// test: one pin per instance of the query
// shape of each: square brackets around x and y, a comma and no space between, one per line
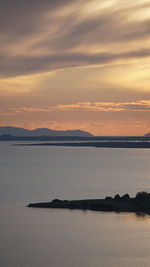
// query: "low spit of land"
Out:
[138,204]
[106,144]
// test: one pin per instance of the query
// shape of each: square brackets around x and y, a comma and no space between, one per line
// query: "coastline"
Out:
[138,204]
[106,144]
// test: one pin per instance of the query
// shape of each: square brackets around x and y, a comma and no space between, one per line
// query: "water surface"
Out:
[38,237]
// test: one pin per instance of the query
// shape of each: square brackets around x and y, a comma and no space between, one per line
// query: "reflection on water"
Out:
[63,238]
[38,237]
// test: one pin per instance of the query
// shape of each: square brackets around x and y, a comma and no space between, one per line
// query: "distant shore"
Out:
[106,144]
[138,204]
[47,138]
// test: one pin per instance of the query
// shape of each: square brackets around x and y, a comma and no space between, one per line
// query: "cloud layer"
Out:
[74,64]
[50,35]
[143,105]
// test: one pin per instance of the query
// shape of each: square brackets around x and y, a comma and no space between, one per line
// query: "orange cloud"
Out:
[142,105]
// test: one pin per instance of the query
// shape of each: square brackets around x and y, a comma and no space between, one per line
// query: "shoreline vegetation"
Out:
[104,144]
[138,204]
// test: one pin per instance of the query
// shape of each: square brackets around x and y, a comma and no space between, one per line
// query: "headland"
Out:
[138,204]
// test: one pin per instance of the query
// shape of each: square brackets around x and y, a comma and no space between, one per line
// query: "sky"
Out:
[81,64]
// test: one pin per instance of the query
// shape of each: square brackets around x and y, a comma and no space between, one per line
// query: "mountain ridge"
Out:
[18,131]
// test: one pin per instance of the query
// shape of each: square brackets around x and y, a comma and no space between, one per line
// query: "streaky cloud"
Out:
[142,105]
[59,34]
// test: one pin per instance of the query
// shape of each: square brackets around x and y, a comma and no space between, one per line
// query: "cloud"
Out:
[142,105]
[27,65]
[23,16]
[50,35]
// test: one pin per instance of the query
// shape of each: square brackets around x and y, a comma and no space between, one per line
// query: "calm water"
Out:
[37,237]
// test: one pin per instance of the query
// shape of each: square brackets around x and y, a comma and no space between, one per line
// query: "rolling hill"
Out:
[14,131]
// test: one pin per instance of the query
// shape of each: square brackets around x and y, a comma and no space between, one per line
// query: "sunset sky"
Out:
[81,64]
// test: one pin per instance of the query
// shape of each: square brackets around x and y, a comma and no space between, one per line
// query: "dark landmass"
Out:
[138,204]
[9,137]
[103,144]
[8,132]
[147,135]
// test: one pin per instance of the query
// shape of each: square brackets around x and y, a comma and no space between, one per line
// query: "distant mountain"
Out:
[8,130]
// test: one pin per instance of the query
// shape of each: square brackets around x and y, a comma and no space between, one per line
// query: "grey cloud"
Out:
[136,107]
[19,17]
[27,65]
[20,20]
[106,28]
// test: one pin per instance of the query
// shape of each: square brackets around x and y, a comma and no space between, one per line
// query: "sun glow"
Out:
[83,63]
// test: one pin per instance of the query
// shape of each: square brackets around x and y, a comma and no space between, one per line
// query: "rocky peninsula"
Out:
[138,204]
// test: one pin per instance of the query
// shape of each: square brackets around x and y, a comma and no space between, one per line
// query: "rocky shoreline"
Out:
[138,204]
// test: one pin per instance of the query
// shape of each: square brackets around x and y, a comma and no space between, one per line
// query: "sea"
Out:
[71,238]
